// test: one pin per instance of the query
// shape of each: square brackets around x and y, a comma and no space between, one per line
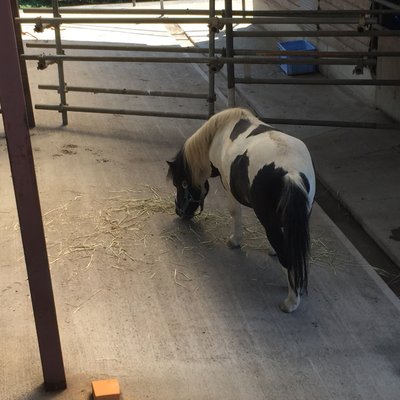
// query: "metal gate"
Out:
[365,21]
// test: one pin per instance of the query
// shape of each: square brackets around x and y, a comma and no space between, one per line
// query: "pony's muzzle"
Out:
[182,214]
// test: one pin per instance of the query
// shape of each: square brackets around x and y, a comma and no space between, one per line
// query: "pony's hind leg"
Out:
[292,300]
[235,239]
[275,236]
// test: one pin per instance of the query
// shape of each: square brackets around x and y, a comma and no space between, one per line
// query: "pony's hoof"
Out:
[288,307]
[233,244]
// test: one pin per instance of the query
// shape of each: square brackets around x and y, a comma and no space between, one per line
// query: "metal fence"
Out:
[365,22]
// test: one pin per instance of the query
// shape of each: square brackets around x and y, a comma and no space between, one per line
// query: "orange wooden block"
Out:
[107,389]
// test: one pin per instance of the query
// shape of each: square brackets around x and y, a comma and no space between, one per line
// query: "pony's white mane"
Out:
[196,148]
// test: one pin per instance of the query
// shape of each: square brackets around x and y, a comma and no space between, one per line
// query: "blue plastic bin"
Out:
[297,69]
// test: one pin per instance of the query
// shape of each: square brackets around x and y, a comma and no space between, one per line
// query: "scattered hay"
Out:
[77,308]
[186,278]
[111,231]
[322,254]
[121,223]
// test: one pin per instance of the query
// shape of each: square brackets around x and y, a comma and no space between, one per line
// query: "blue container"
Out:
[297,69]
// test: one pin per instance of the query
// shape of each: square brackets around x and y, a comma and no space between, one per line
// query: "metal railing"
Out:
[364,22]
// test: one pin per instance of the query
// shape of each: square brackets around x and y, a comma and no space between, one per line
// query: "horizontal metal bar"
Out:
[155,93]
[96,110]
[318,81]
[292,60]
[286,13]
[279,121]
[113,11]
[319,33]
[317,53]
[53,57]
[112,20]
[121,47]
[198,60]
[340,124]
[259,13]
[296,20]
[198,50]
[192,20]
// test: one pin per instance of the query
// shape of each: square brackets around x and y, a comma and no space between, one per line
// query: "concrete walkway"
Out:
[163,306]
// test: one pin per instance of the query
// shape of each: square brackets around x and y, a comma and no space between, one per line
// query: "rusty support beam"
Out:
[28,204]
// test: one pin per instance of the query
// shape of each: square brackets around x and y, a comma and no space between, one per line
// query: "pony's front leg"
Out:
[292,301]
[235,239]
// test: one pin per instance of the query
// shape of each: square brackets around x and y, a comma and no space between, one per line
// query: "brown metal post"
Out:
[24,72]
[28,205]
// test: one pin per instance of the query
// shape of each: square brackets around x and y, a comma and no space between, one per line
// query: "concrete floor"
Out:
[164,306]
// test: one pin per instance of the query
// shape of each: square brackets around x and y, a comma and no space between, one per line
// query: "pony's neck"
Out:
[196,153]
[197,147]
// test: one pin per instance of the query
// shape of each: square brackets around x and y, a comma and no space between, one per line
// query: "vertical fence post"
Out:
[162,7]
[28,205]
[211,55]
[229,53]
[24,72]
[60,63]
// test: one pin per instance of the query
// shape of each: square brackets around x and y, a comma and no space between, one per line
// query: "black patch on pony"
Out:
[260,129]
[241,126]
[239,179]
[177,169]
[282,208]
[267,185]
[214,171]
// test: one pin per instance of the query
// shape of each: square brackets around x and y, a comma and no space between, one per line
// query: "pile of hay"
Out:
[119,229]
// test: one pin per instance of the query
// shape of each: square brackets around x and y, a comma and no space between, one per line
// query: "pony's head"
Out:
[189,196]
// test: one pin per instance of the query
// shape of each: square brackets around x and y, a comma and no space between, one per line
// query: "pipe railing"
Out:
[319,81]
[249,13]
[199,50]
[363,21]
[318,33]
[130,92]
[99,110]
[279,121]
[193,20]
[202,60]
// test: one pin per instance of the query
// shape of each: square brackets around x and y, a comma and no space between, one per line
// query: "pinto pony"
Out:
[262,168]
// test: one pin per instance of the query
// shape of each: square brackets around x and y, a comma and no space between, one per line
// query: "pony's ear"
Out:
[170,166]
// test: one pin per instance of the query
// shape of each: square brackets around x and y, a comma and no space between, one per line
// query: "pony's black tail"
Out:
[294,211]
